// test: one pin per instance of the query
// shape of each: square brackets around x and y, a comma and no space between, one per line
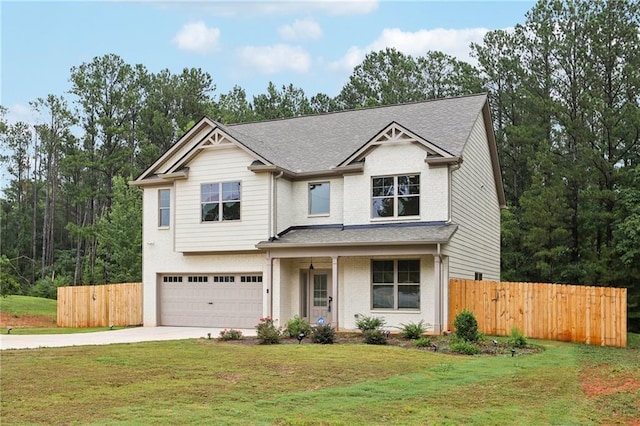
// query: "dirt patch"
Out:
[596,386]
[26,320]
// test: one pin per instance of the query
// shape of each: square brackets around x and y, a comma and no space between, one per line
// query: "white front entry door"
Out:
[320,297]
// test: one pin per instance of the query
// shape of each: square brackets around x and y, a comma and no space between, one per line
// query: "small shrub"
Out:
[464,347]
[466,326]
[423,342]
[365,323]
[323,334]
[267,332]
[297,325]
[517,339]
[375,337]
[47,287]
[230,334]
[412,330]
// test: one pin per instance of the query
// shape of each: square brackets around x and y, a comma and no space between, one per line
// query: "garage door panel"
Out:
[210,304]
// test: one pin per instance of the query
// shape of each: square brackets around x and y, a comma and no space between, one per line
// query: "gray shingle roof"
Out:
[321,142]
[387,234]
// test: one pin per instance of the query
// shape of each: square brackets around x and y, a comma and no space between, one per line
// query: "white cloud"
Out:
[276,7]
[19,112]
[300,30]
[454,42]
[196,37]
[342,7]
[272,59]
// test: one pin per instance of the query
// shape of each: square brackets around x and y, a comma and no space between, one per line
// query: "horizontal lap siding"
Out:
[475,247]
[221,165]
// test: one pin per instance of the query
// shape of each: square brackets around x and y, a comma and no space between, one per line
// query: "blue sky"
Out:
[312,44]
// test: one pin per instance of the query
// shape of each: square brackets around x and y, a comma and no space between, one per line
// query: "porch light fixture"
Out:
[311,265]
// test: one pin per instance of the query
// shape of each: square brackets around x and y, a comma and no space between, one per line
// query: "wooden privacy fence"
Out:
[591,315]
[100,305]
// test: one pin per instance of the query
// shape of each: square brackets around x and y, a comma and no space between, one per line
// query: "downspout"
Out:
[274,204]
[273,212]
[270,287]
[451,170]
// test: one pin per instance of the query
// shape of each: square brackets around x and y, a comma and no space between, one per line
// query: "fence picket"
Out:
[100,305]
[592,315]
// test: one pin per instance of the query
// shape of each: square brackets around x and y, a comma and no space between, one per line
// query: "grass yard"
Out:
[209,382]
[34,315]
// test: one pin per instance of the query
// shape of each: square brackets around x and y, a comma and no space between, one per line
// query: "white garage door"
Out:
[210,300]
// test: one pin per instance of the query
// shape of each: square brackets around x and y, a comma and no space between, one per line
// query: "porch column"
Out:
[267,296]
[437,295]
[334,280]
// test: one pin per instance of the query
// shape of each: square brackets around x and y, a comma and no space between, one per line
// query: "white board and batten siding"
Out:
[221,165]
[475,247]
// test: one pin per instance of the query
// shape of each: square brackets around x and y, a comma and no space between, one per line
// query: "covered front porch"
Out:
[331,276]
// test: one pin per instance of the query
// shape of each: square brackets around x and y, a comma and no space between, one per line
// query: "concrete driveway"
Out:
[126,335]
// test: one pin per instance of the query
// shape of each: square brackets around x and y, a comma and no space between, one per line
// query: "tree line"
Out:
[564,90]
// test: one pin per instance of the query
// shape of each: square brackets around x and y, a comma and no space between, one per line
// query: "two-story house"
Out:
[329,216]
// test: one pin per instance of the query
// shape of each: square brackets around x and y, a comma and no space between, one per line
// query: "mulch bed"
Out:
[440,344]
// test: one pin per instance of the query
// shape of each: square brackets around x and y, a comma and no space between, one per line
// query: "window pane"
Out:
[408,185]
[319,290]
[408,206]
[164,207]
[409,297]
[408,271]
[383,186]
[319,198]
[209,192]
[164,217]
[382,207]
[231,211]
[382,271]
[163,196]
[382,297]
[210,212]
[231,191]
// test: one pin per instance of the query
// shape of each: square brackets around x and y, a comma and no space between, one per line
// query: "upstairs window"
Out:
[164,208]
[319,198]
[395,196]
[220,201]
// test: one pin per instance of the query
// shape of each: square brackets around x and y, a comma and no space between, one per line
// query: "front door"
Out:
[320,296]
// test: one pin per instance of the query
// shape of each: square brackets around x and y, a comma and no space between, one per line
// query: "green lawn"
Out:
[209,382]
[20,305]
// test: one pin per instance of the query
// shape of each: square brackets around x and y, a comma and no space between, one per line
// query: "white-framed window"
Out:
[224,279]
[251,278]
[395,284]
[164,208]
[395,196]
[319,198]
[220,201]
[172,279]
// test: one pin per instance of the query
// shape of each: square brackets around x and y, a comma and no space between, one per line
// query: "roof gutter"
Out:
[335,171]
[436,161]
[162,178]
[452,168]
